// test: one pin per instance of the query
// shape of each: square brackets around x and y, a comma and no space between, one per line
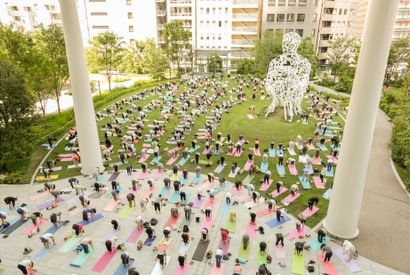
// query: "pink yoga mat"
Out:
[77,210]
[292,169]
[111,205]
[257,152]
[307,213]
[157,175]
[172,160]
[104,261]
[290,198]
[316,161]
[244,197]
[40,195]
[181,270]
[250,230]
[238,154]
[171,221]
[218,271]
[66,159]
[224,246]
[265,186]
[319,184]
[299,146]
[207,223]
[65,155]
[142,159]
[235,191]
[32,227]
[294,233]
[210,204]
[280,252]
[146,145]
[351,264]
[274,194]
[135,235]
[332,158]
[250,116]
[231,154]
[142,175]
[310,146]
[264,212]
[174,149]
[248,165]
[328,266]
[147,193]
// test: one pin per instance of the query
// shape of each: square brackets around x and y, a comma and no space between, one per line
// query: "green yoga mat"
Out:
[205,162]
[231,226]
[69,244]
[298,264]
[261,258]
[78,262]
[244,254]
[124,213]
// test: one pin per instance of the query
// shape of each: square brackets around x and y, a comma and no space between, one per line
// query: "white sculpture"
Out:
[288,77]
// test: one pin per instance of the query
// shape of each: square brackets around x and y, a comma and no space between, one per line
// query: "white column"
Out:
[344,208]
[80,82]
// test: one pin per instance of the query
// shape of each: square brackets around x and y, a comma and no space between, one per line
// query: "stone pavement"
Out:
[56,262]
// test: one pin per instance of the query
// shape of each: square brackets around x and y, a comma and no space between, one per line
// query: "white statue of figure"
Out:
[288,77]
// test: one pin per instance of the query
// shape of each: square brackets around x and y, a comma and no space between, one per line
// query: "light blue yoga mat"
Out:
[113,233]
[80,260]
[281,169]
[327,194]
[305,183]
[183,161]
[41,254]
[191,150]
[264,166]
[315,245]
[69,244]
[273,223]
[171,142]
[219,168]
[333,147]
[322,147]
[217,152]
[272,153]
[123,270]
[173,198]
[155,160]
[225,209]
[7,210]
[279,151]
[184,181]
[329,173]
[196,179]
[163,192]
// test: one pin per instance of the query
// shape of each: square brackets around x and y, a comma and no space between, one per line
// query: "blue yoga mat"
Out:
[329,135]
[111,234]
[329,173]
[173,198]
[315,245]
[322,147]
[54,229]
[217,152]
[7,210]
[171,142]
[183,161]
[163,192]
[272,153]
[48,145]
[148,241]
[100,178]
[155,160]
[40,254]
[273,223]
[122,270]
[191,150]
[281,169]
[264,166]
[305,183]
[327,194]
[219,168]
[93,219]
[11,223]
[184,181]
[333,147]
[279,151]
[225,209]
[196,179]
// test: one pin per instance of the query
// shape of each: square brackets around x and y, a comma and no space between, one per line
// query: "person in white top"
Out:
[228,196]
[25,266]
[45,238]
[140,222]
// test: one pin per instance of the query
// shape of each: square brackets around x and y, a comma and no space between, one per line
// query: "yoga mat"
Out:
[147,193]
[305,183]
[273,223]
[235,191]
[40,195]
[219,168]
[157,175]
[250,230]
[280,252]
[182,161]
[264,212]
[13,226]
[185,181]
[279,151]
[113,177]
[174,149]
[191,150]
[184,248]
[173,198]
[280,169]
[315,244]
[204,162]
[238,153]
[257,152]
[335,160]
[174,177]
[244,254]
[265,186]
[231,226]
[164,244]
[225,209]
[197,203]
[66,159]
[327,194]
[217,152]
[261,258]
[200,251]
[316,160]
[328,266]
[292,169]
[244,197]
[155,160]
[251,204]
[32,227]
[125,212]
[307,213]
[233,175]
[205,151]
[97,217]
[351,265]
[142,159]
[319,184]
[111,205]
[45,205]
[292,151]
[302,159]
[248,165]
[163,192]
[224,246]
[329,173]
[41,253]
[210,204]
[68,245]
[274,194]
[231,154]
[80,260]
[247,180]
[310,146]
[172,160]
[290,198]
[104,261]
[54,229]
[77,210]
[272,153]
[135,234]
[207,223]
[142,176]
[158,269]
[264,167]
[250,116]
[298,264]
[111,234]
[171,221]
[181,270]
[52,177]
[322,147]
[294,233]
[148,241]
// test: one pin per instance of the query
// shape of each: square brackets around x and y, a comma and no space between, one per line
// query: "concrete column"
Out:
[344,209]
[83,105]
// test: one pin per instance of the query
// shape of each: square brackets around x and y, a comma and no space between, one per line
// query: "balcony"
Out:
[244,30]
[160,27]
[161,41]
[160,1]
[180,2]
[245,3]
[240,54]
[252,17]
[242,43]
[324,43]
[181,14]
[161,12]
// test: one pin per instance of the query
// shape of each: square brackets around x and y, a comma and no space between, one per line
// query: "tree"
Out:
[268,47]
[245,66]
[155,60]
[52,45]
[176,42]
[307,50]
[342,54]
[16,115]
[214,63]
[399,53]
[105,53]
[134,57]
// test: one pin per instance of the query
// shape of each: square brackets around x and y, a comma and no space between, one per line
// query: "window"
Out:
[207,10]
[312,32]
[302,2]
[271,17]
[323,49]
[27,9]
[301,17]
[316,3]
[99,14]
[290,17]
[132,41]
[280,17]
[272,3]
[289,30]
[220,24]
[97,1]
[314,17]
[340,11]
[201,11]
[291,3]
[131,28]
[345,12]
[226,10]
[130,15]
[282,3]
[299,31]
[129,2]
[100,27]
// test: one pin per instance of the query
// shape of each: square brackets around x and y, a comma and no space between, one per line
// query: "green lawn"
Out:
[266,129]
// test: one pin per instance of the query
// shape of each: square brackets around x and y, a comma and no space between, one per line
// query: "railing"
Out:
[181,13]
[181,1]
[160,1]
[245,15]
[161,40]
[244,29]
[249,2]
[160,26]
[161,12]
[242,42]
[242,54]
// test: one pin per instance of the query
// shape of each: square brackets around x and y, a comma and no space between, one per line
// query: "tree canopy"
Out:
[307,50]
[267,47]
[176,39]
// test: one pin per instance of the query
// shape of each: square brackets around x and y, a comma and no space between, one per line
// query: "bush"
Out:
[326,81]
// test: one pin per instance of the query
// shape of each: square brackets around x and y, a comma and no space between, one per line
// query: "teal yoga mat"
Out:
[82,258]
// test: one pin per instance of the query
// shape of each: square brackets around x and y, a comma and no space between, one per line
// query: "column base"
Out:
[339,235]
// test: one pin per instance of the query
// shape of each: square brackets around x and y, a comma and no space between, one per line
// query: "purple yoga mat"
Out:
[93,219]
[45,205]
[224,246]
[198,203]
[113,177]
[351,264]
